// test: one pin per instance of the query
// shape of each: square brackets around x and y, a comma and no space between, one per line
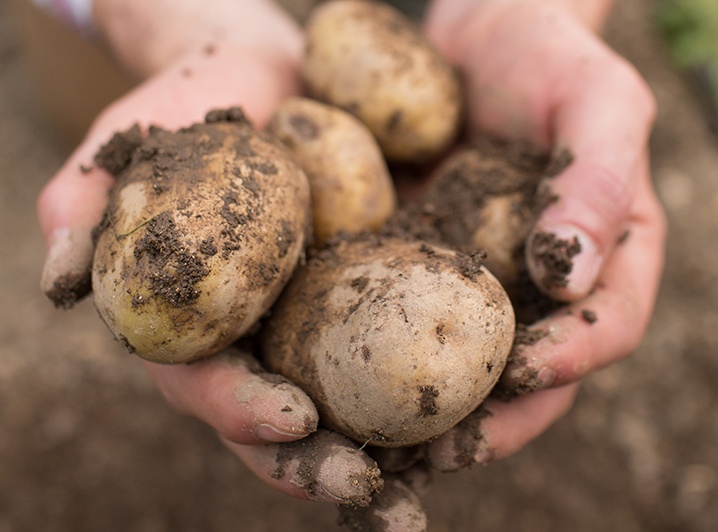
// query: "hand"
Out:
[534,72]
[258,418]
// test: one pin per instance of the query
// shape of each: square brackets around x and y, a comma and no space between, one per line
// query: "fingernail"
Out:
[564,262]
[66,275]
[545,378]
[520,379]
[347,477]
[483,457]
[271,434]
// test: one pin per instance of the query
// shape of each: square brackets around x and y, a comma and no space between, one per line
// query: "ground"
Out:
[86,442]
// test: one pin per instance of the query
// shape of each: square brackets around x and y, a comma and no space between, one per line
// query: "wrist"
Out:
[146,37]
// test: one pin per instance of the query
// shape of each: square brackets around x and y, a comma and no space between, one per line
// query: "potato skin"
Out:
[202,231]
[350,184]
[369,59]
[395,343]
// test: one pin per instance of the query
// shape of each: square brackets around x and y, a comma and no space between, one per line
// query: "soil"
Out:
[87,442]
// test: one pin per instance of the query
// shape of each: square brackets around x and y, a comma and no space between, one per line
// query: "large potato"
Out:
[350,185]
[369,59]
[203,229]
[394,341]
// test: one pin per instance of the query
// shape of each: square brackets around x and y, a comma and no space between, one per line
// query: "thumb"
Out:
[606,134]
[69,207]
[568,245]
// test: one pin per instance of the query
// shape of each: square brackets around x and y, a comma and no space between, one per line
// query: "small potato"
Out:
[369,59]
[350,185]
[203,230]
[485,196]
[394,341]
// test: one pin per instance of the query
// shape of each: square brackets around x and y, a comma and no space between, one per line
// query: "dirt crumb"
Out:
[556,255]
[233,114]
[427,401]
[589,316]
[117,154]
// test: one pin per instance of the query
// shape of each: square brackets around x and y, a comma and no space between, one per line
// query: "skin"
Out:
[559,95]
[546,78]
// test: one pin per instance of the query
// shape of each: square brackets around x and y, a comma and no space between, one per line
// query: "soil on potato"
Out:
[479,175]
[87,443]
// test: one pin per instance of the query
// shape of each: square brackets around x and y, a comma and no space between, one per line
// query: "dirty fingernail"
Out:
[564,262]
[462,446]
[66,276]
[521,379]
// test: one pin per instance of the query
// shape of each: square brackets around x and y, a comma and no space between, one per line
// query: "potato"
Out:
[395,341]
[350,185]
[203,230]
[369,59]
[488,195]
[485,196]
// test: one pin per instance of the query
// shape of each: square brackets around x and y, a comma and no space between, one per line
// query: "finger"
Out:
[396,509]
[499,429]
[72,203]
[234,395]
[324,466]
[69,207]
[609,323]
[603,121]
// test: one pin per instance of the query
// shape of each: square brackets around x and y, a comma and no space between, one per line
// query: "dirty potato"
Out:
[369,59]
[202,231]
[395,341]
[486,195]
[350,185]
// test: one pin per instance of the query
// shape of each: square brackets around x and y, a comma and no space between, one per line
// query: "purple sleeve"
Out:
[75,14]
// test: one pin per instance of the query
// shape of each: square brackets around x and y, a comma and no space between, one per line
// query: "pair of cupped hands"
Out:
[533,71]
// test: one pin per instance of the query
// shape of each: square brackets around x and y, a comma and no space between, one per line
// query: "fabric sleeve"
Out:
[75,14]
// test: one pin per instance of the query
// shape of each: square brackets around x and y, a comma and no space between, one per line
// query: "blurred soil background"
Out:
[87,443]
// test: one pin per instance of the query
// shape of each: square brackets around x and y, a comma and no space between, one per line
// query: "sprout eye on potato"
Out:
[369,59]
[394,341]
[203,229]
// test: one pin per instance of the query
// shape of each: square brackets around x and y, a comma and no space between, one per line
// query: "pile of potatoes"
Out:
[294,236]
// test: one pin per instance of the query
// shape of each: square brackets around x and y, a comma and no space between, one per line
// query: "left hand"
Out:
[534,72]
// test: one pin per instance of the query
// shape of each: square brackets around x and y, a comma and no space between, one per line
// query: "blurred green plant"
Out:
[691,28]
[691,31]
